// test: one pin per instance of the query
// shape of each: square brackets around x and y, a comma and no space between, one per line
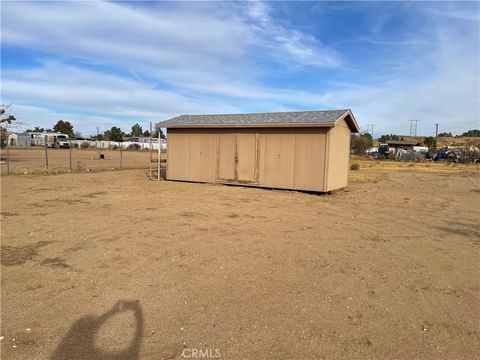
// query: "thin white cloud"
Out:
[455,13]
[71,87]
[289,45]
[104,32]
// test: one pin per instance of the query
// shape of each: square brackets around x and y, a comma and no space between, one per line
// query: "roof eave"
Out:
[354,128]
[288,125]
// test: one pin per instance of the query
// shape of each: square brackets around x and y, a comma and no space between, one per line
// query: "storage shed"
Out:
[307,150]
[19,139]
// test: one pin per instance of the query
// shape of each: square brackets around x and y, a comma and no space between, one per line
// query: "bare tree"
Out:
[7,120]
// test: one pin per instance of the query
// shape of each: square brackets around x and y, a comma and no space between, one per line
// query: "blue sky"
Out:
[116,63]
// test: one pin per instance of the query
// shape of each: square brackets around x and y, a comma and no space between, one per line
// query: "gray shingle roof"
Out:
[323,117]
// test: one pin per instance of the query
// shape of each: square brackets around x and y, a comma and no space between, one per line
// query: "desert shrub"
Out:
[84,145]
[355,166]
[133,147]
[75,146]
[114,147]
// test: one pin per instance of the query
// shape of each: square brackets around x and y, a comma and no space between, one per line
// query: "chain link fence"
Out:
[79,158]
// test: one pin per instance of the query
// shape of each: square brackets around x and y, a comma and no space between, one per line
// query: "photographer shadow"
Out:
[79,342]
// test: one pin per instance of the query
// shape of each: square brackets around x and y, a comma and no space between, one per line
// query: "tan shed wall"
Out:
[338,152]
[277,158]
[293,158]
[310,159]
[289,158]
[193,155]
[223,157]
[247,156]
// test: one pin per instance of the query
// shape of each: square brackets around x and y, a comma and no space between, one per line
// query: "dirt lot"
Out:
[111,265]
[32,160]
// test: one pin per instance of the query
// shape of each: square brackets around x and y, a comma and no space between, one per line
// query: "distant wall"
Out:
[124,145]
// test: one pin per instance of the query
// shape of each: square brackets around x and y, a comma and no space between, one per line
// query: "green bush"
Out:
[135,147]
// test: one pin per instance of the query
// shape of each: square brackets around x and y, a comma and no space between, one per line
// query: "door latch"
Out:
[236,157]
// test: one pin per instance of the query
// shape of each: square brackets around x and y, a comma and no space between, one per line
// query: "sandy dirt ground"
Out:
[32,160]
[112,265]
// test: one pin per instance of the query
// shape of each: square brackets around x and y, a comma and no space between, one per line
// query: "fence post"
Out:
[70,155]
[46,156]
[159,154]
[151,174]
[121,154]
[8,158]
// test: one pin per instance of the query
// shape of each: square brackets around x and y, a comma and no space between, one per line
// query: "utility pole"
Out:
[436,136]
[413,127]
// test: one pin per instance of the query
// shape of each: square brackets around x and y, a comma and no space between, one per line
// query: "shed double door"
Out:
[237,156]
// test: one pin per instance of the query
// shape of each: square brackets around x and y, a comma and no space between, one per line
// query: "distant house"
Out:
[19,139]
[402,144]
[305,150]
